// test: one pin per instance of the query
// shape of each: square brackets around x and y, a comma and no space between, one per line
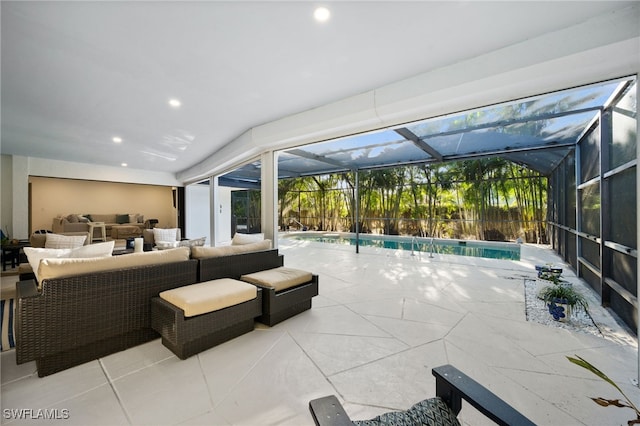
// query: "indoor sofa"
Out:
[116,225]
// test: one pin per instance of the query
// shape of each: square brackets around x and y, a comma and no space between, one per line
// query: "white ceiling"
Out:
[76,74]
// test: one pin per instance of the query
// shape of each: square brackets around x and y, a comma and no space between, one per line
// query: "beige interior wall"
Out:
[51,197]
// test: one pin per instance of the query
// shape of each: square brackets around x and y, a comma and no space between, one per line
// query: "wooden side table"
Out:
[101,227]
[11,253]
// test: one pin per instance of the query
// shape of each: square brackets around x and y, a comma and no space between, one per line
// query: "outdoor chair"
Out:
[452,386]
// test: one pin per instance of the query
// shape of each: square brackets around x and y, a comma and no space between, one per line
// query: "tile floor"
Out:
[382,320]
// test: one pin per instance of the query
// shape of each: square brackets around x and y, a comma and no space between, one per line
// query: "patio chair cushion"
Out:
[432,412]
[278,278]
[209,296]
[240,239]
[200,252]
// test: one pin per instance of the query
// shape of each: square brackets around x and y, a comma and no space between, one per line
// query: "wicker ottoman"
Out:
[288,292]
[197,317]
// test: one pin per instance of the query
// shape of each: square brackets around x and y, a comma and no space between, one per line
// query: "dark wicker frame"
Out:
[281,305]
[233,266]
[191,335]
[77,319]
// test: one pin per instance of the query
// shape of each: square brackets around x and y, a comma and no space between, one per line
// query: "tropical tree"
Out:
[488,198]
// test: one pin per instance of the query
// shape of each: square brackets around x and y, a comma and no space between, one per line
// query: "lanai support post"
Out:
[638,226]
[214,215]
[269,196]
[357,196]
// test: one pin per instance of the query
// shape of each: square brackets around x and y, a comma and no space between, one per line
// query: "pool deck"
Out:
[382,320]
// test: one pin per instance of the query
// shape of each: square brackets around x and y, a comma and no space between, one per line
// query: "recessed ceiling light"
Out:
[124,164]
[175,103]
[117,139]
[321,14]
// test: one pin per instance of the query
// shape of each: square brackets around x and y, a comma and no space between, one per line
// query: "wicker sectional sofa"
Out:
[68,320]
[84,309]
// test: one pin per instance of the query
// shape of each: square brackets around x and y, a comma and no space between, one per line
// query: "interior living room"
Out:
[158,111]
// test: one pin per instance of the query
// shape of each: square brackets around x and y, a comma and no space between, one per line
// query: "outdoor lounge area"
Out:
[382,321]
[422,126]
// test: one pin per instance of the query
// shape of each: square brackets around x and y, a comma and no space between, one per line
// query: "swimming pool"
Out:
[486,249]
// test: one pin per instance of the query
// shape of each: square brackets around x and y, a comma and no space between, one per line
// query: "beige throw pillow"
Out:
[57,241]
[35,255]
[240,239]
[93,250]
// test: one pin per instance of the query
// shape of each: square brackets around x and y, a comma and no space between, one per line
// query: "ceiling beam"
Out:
[239,183]
[477,155]
[509,122]
[320,158]
[409,135]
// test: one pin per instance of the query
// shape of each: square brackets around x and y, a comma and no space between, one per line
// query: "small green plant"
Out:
[4,238]
[549,273]
[565,294]
[608,402]
[549,276]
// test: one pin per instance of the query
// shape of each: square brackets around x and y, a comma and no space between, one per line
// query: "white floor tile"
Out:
[277,389]
[239,357]
[12,371]
[142,356]
[334,354]
[166,393]
[395,382]
[412,333]
[43,392]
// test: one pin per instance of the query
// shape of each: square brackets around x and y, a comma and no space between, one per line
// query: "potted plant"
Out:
[549,273]
[562,299]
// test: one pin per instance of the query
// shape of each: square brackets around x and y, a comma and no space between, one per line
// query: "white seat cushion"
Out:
[209,296]
[278,278]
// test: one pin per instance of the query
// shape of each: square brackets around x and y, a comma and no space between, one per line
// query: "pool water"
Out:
[486,249]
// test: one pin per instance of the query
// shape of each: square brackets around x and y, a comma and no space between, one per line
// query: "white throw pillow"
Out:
[57,241]
[165,234]
[34,255]
[93,250]
[241,239]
